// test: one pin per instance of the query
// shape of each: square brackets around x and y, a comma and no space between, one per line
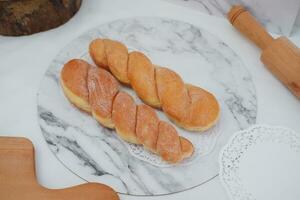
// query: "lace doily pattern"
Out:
[236,148]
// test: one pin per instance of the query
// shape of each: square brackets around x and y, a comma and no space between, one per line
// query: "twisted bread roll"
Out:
[189,106]
[96,91]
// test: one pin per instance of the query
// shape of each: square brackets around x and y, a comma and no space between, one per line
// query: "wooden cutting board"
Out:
[18,179]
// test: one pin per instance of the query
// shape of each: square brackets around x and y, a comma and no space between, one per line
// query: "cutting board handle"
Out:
[18,179]
[241,19]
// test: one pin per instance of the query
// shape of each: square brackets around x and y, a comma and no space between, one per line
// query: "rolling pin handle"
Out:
[241,19]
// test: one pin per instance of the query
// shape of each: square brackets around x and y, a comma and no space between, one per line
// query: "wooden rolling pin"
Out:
[280,55]
[18,180]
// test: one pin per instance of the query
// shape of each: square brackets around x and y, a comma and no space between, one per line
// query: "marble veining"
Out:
[97,154]
[268,12]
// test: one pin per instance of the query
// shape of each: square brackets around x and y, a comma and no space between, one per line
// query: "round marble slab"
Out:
[97,154]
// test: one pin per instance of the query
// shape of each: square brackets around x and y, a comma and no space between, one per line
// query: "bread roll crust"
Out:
[117,58]
[192,109]
[102,87]
[73,80]
[124,117]
[168,143]
[147,127]
[116,109]
[141,74]
[173,94]
[97,52]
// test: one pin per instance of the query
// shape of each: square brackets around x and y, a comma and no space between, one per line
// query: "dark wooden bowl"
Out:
[25,17]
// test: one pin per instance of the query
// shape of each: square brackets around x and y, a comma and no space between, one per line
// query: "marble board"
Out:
[96,154]
[276,16]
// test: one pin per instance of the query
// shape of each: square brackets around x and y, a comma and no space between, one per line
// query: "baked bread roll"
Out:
[104,87]
[74,86]
[96,91]
[191,107]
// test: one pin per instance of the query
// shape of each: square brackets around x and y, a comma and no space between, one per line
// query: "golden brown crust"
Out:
[172,94]
[204,110]
[113,109]
[117,57]
[186,147]
[73,79]
[97,52]
[160,87]
[124,117]
[168,143]
[147,127]
[102,87]
[141,74]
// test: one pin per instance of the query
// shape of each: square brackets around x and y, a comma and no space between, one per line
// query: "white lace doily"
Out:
[243,143]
